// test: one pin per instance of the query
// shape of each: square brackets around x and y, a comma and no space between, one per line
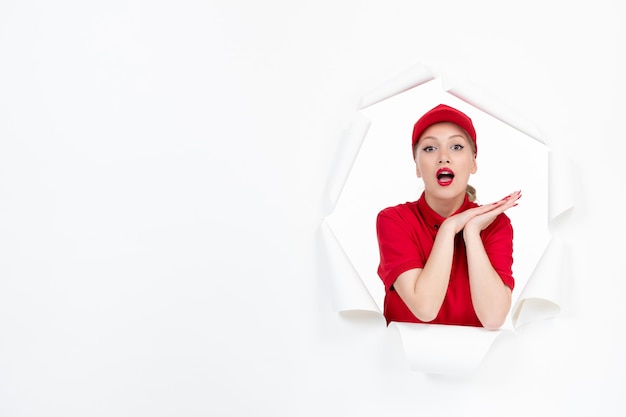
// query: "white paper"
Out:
[561,197]
[480,99]
[347,152]
[541,297]
[445,350]
[347,290]
[407,79]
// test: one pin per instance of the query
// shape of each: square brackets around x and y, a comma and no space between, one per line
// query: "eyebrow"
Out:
[449,137]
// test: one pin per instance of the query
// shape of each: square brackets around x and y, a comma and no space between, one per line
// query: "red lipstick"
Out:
[445,176]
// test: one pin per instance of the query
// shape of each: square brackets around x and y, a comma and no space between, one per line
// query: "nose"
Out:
[443,158]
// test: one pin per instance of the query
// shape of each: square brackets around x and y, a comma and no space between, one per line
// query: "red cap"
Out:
[444,113]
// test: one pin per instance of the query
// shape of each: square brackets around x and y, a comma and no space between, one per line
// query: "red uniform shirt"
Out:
[406,234]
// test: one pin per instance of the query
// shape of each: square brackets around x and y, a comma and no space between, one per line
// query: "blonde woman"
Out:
[443,258]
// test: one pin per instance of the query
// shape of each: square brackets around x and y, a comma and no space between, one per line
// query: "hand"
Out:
[479,218]
[482,221]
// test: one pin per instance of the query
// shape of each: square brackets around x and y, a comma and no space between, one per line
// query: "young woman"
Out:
[443,258]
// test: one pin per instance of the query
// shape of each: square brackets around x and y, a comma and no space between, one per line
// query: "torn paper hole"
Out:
[376,170]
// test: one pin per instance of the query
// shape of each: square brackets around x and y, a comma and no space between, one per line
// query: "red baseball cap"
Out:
[443,113]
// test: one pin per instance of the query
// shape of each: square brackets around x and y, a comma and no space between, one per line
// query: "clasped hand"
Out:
[479,218]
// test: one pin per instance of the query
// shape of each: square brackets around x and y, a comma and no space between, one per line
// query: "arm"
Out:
[423,289]
[490,296]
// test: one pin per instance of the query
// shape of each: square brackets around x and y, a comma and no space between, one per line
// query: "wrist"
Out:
[470,231]
[448,227]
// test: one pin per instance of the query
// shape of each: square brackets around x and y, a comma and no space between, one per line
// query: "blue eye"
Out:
[428,148]
[458,147]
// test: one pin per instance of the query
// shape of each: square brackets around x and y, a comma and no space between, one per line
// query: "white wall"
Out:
[162,172]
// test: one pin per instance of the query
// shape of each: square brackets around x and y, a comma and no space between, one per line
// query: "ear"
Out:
[474,166]
[417,170]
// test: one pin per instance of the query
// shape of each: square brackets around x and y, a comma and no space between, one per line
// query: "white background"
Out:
[162,172]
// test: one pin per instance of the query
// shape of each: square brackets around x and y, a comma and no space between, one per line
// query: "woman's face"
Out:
[445,160]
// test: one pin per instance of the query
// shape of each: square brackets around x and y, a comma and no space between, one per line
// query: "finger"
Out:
[514,196]
[505,204]
[512,202]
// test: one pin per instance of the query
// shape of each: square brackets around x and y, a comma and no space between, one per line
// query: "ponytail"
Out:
[471,193]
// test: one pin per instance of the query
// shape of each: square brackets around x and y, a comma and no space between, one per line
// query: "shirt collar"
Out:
[432,218]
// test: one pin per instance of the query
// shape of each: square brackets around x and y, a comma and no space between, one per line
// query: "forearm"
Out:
[432,283]
[490,297]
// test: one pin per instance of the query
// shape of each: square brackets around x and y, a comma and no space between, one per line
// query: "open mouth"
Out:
[445,176]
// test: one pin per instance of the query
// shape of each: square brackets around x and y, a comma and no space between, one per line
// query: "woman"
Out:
[444,259]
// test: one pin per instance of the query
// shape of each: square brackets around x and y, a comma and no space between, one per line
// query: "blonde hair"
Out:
[470,190]
[471,193]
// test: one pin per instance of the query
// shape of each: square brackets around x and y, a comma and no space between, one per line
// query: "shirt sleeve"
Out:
[398,246]
[498,243]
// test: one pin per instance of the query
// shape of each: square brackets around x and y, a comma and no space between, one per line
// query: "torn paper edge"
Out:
[348,290]
[541,296]
[479,98]
[444,349]
[411,77]
[347,152]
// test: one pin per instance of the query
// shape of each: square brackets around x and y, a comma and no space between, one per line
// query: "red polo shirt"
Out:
[406,234]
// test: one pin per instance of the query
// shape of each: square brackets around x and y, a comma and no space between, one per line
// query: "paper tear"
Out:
[348,149]
[443,349]
[541,297]
[561,195]
[406,80]
[534,309]
[348,290]
[478,98]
